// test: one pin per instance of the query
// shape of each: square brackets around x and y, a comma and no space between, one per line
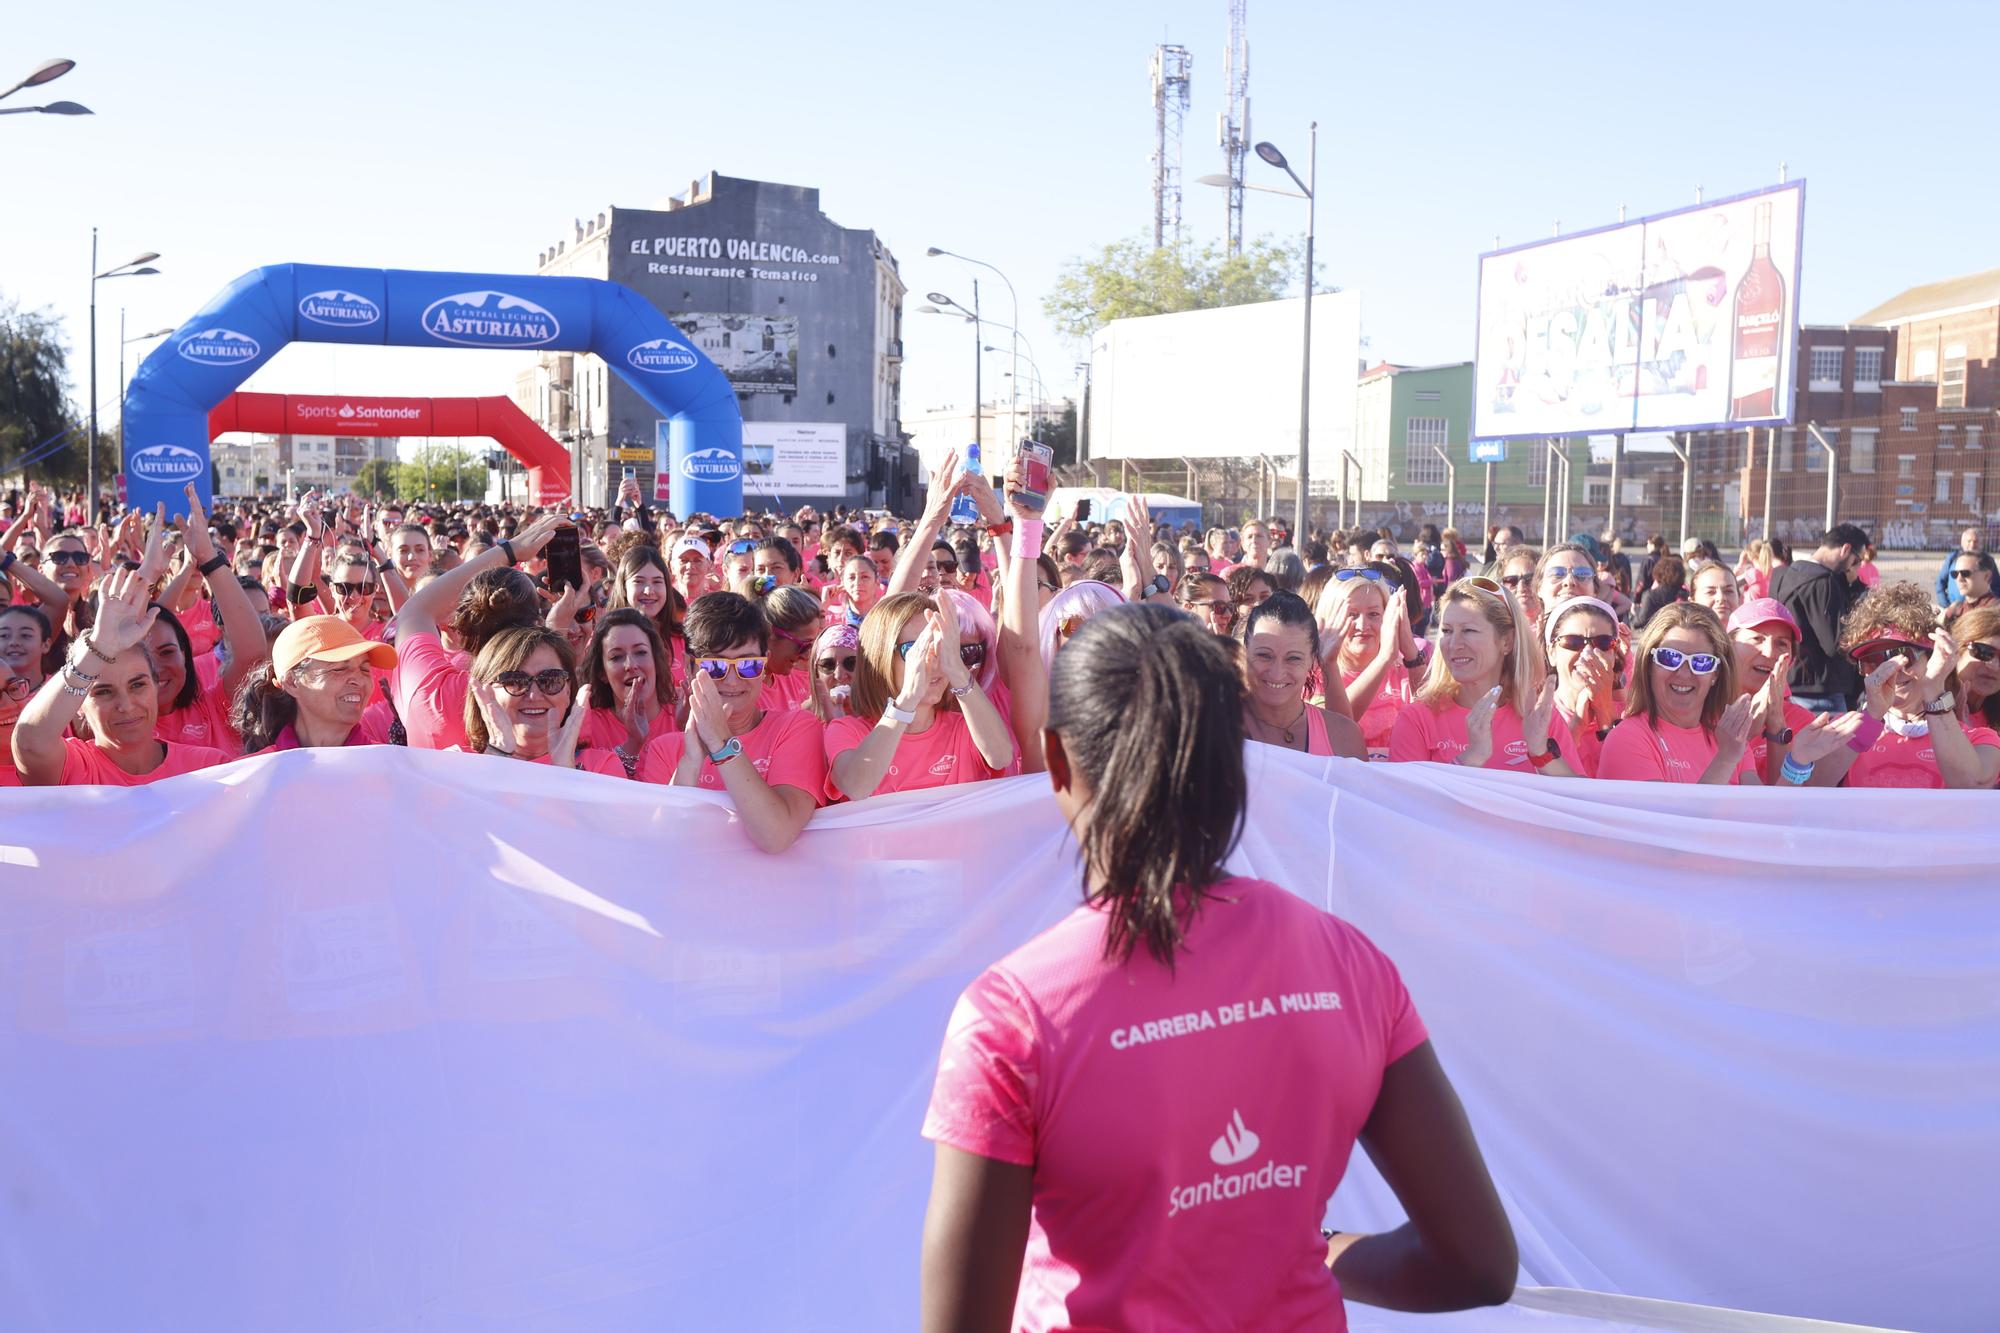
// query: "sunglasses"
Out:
[68,557]
[833,666]
[1219,610]
[947,566]
[1516,580]
[1670,659]
[1070,624]
[18,688]
[717,668]
[1982,652]
[743,547]
[792,638]
[1579,572]
[552,682]
[1966,573]
[1576,643]
[355,589]
[1349,575]
[1873,658]
[1484,584]
[1046,586]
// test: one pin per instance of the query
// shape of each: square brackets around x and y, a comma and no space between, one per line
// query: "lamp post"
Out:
[1269,152]
[131,268]
[1014,408]
[941,304]
[46,72]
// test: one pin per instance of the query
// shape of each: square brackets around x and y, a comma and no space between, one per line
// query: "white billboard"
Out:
[1225,383]
[787,458]
[1681,321]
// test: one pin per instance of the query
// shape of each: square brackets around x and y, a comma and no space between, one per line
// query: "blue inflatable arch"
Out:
[167,406]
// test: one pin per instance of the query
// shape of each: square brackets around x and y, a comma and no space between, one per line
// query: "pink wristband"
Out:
[1028,538]
[1864,740]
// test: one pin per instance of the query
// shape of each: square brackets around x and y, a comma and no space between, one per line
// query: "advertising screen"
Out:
[758,353]
[794,458]
[1684,320]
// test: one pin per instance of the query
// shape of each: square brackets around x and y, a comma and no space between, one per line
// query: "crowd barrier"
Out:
[371,1039]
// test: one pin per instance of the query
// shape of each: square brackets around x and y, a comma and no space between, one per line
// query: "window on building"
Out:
[1947,436]
[1909,419]
[1906,467]
[1951,387]
[1785,443]
[1827,363]
[1429,396]
[1943,488]
[1867,369]
[1538,463]
[1421,467]
[1972,434]
[1923,364]
[1861,453]
[1971,496]
[1816,456]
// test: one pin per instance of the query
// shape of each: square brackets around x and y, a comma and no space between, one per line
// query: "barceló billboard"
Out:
[1684,320]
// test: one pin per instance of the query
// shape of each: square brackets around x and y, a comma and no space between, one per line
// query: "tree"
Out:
[441,476]
[34,396]
[377,477]
[1058,432]
[1131,278]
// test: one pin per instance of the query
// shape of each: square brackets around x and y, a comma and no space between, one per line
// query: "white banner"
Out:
[343,1040]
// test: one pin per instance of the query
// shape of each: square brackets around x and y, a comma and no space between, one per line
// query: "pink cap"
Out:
[1763,611]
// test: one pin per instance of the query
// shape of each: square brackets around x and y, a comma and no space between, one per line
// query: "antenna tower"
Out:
[1171,67]
[1235,122]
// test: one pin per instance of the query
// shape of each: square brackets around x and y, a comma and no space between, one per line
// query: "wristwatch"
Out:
[891,713]
[730,749]
[1547,757]
[1944,703]
[1162,585]
[1782,736]
[301,595]
[1412,663]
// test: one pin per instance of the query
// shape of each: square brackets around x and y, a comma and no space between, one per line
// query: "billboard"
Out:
[1224,383]
[1685,320]
[794,458]
[758,353]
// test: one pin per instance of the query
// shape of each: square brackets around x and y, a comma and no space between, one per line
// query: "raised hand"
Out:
[1879,688]
[944,624]
[919,669]
[1732,729]
[562,745]
[707,714]
[1825,734]
[1937,671]
[1479,730]
[123,618]
[1535,726]
[194,528]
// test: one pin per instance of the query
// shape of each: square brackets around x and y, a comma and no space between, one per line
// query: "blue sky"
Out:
[468,136]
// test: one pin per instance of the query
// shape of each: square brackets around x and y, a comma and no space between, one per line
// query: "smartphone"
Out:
[1037,461]
[564,554]
[1083,511]
[631,473]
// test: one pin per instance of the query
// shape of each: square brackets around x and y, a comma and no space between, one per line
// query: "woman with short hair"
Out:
[1514,569]
[794,616]
[1043,1210]
[1485,701]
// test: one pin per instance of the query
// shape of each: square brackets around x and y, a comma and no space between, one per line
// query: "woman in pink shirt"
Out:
[643,584]
[315,689]
[1684,721]
[521,702]
[1280,646]
[921,718]
[770,762]
[1371,649]
[794,616]
[625,683]
[1486,701]
[835,655]
[1762,636]
[198,693]
[110,680]
[1292,1037]
[1587,649]
[15,691]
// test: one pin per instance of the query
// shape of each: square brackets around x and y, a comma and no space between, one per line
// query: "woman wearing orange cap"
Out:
[314,689]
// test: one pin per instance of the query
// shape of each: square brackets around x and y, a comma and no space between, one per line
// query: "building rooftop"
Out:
[1935,298]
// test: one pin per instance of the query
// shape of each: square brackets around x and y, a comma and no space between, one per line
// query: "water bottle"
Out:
[965,510]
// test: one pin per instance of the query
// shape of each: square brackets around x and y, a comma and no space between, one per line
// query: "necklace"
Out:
[1267,727]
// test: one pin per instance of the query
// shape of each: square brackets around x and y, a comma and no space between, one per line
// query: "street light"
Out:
[1014,409]
[135,267]
[942,304]
[1226,182]
[46,72]
[1269,152]
[123,343]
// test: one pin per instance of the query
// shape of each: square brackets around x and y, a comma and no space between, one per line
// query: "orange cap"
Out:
[326,639]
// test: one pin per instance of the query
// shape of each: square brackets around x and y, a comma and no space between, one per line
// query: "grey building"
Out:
[803,315]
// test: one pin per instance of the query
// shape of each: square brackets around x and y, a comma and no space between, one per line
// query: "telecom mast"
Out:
[1234,124]
[1171,66]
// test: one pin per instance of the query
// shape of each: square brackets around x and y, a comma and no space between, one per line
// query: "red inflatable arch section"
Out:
[496,418]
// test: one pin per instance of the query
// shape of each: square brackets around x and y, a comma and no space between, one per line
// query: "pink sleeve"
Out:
[1630,754]
[842,735]
[798,757]
[76,763]
[426,685]
[983,1100]
[661,756]
[1409,741]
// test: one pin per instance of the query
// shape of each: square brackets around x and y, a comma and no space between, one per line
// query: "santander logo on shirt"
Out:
[1237,1143]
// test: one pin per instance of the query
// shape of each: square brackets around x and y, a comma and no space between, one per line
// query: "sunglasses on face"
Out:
[1576,643]
[1873,659]
[1515,580]
[833,666]
[552,682]
[1670,659]
[1582,573]
[1965,573]
[947,566]
[1982,652]
[1046,586]
[717,668]
[1214,610]
[355,589]
[792,638]
[68,557]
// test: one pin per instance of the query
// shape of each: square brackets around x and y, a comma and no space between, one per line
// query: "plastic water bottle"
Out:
[964,510]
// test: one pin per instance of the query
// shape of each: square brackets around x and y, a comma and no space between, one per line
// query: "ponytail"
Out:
[261,709]
[1167,796]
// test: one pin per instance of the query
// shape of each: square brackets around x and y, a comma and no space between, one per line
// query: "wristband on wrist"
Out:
[1028,533]
[892,715]
[1794,772]
[507,549]
[213,563]
[1864,740]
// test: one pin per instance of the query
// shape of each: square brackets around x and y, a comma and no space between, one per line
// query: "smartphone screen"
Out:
[631,474]
[565,556]
[1036,460]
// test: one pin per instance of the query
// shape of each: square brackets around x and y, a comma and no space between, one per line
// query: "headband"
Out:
[836,636]
[1553,617]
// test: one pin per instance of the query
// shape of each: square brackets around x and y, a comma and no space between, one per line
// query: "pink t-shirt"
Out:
[589,761]
[1642,751]
[85,764]
[789,691]
[1797,718]
[603,730]
[1378,719]
[376,719]
[940,756]
[785,748]
[206,720]
[430,685]
[1438,735]
[1907,761]
[288,737]
[199,622]
[1258,1060]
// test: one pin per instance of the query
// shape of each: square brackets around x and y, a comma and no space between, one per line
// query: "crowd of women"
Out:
[798,661]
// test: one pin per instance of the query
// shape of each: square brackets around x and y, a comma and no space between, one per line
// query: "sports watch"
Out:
[730,749]
[1547,757]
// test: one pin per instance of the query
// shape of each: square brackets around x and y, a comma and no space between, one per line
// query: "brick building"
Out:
[1948,333]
